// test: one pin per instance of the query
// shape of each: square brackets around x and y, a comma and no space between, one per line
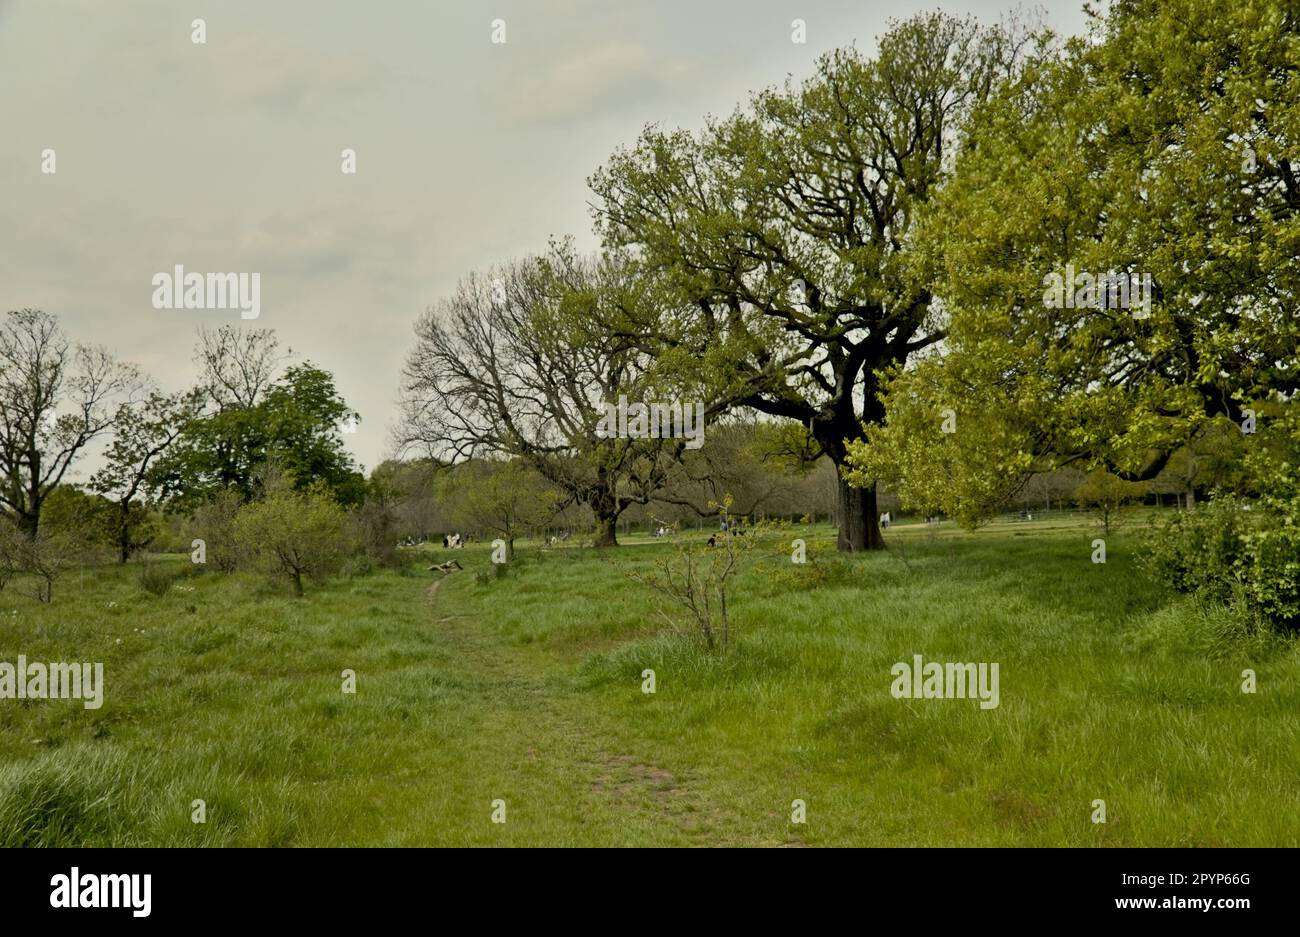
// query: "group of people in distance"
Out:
[735,529]
[453,541]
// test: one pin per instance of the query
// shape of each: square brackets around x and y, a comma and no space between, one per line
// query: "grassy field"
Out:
[527,689]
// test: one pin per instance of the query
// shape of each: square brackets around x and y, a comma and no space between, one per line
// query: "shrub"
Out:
[1272,561]
[699,579]
[1233,549]
[214,524]
[295,535]
[11,551]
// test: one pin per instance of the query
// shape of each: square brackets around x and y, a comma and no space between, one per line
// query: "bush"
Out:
[1108,498]
[44,558]
[1234,550]
[294,535]
[11,551]
[214,524]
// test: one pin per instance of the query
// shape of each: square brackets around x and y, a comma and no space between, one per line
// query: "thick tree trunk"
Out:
[604,503]
[858,517]
[606,531]
[28,522]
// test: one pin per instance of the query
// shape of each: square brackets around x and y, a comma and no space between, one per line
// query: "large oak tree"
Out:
[1164,145]
[785,233]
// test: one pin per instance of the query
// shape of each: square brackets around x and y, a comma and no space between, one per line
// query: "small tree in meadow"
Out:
[294,534]
[506,498]
[698,577]
[1108,498]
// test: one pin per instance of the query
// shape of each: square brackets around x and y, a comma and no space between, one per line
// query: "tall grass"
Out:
[528,688]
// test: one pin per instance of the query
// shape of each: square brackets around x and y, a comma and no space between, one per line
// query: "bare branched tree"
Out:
[238,365]
[55,398]
[519,363]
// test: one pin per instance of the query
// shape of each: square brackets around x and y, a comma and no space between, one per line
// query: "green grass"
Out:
[527,689]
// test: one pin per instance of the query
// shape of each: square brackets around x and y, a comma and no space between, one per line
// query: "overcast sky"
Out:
[226,156]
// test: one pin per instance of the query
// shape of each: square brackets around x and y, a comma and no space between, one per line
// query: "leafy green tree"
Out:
[505,497]
[80,517]
[1162,147]
[143,431]
[1108,497]
[214,524]
[294,421]
[784,234]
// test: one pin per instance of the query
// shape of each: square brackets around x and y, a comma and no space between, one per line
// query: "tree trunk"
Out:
[858,518]
[604,504]
[606,531]
[124,535]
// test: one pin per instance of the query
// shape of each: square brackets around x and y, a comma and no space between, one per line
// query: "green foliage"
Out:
[1165,148]
[698,578]
[374,524]
[295,424]
[1108,497]
[79,517]
[12,546]
[784,234]
[294,535]
[1234,551]
[505,498]
[214,524]
[823,566]
[1203,550]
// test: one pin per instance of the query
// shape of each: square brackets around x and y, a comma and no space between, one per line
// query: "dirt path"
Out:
[564,734]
